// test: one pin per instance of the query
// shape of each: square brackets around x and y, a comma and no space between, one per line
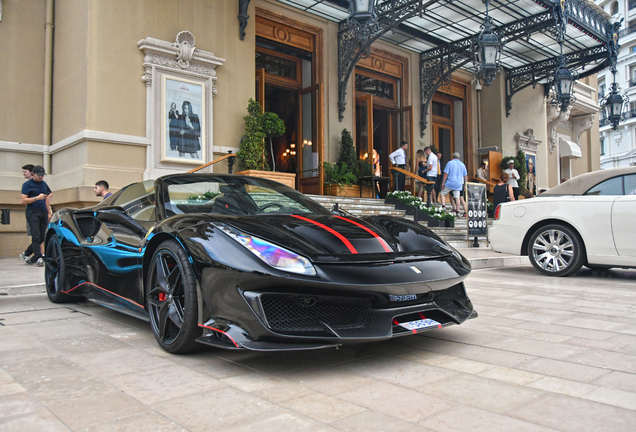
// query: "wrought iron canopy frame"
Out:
[355,38]
[437,65]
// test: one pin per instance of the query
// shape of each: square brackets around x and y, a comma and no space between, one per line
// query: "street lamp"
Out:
[362,10]
[615,106]
[488,51]
[563,79]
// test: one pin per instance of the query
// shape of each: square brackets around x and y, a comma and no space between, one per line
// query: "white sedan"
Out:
[589,220]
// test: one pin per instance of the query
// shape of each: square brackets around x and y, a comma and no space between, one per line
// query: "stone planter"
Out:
[449,224]
[348,191]
[435,223]
[288,179]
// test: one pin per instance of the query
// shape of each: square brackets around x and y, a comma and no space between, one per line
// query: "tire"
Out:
[171,298]
[556,250]
[598,267]
[55,273]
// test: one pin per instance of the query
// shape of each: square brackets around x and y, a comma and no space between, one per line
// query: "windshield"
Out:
[231,195]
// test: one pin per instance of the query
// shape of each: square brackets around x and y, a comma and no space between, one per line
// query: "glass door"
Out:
[310,179]
[401,125]
[260,87]
[364,127]
[443,140]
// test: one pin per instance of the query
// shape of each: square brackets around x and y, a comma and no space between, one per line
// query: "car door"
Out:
[623,217]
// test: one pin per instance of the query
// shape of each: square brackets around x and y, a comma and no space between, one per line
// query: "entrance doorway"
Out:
[380,125]
[288,71]
[443,126]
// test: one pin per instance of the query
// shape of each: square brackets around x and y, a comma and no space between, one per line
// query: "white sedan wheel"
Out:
[556,250]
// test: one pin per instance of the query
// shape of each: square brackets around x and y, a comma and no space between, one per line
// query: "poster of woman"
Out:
[183,127]
[531,177]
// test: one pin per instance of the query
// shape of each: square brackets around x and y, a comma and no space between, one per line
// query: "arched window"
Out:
[614,8]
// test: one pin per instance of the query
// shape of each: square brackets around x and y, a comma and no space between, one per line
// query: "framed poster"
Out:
[183,118]
[531,176]
[477,209]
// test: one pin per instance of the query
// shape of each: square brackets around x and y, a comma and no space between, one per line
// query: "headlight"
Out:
[275,256]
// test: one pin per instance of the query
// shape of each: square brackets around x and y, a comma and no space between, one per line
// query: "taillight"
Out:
[497,211]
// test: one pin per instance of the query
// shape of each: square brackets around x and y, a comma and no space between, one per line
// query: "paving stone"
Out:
[480,392]
[214,409]
[563,369]
[322,407]
[570,414]
[403,404]
[559,385]
[614,397]
[618,380]
[478,420]
[367,421]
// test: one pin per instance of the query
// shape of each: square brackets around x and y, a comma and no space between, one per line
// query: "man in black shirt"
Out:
[36,195]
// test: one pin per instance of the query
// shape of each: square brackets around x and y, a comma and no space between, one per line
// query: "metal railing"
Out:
[627,30]
[231,158]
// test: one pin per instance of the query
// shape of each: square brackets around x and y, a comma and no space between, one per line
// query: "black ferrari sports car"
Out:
[246,263]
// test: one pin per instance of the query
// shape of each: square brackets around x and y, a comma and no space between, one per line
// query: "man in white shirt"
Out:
[513,176]
[398,158]
[482,172]
[431,175]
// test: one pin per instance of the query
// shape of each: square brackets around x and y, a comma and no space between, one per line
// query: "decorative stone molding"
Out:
[172,62]
[181,55]
[527,142]
[581,124]
[555,116]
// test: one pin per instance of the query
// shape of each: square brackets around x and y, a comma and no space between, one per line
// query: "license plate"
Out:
[420,324]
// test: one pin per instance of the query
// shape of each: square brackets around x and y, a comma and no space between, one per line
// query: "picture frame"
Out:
[183,120]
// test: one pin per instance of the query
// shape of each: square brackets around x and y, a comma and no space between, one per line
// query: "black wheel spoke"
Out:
[161,272]
[162,323]
[174,315]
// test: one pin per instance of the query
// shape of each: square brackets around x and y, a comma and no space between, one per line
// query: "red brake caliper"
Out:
[162,296]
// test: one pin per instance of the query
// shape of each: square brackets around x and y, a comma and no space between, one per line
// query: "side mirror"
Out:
[117,215]
[336,211]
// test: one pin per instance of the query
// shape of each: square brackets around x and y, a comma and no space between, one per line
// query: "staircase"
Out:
[456,237]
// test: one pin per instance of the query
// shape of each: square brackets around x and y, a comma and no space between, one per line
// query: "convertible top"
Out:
[582,183]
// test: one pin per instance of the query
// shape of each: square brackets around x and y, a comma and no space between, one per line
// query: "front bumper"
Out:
[272,314]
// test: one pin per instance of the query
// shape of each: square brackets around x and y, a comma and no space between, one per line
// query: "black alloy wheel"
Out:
[55,272]
[556,250]
[172,299]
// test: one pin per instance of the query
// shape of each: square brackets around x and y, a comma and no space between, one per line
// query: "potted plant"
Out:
[339,179]
[259,126]
[449,220]
[273,127]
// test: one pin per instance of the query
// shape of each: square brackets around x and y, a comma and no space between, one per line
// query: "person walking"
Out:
[36,195]
[502,192]
[431,175]
[27,174]
[513,176]
[398,158]
[101,189]
[420,170]
[438,179]
[455,175]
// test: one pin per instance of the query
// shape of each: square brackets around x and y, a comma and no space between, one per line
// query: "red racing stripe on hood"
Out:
[380,239]
[337,234]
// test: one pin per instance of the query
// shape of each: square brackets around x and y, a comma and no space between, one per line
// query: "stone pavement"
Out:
[545,354]
[17,278]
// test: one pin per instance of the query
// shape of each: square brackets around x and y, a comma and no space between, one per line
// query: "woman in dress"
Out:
[190,132]
[502,192]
